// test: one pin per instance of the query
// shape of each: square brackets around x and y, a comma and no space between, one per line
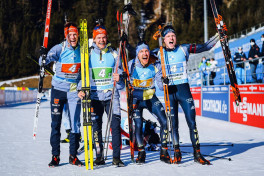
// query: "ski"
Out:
[222,29]
[86,101]
[42,69]
[129,88]
[157,36]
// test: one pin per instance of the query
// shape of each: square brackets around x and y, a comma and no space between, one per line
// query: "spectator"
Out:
[262,55]
[253,53]
[239,59]
[213,65]
[204,68]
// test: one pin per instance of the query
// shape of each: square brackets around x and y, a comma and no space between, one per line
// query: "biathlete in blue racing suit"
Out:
[175,58]
[65,85]
[102,65]
[144,73]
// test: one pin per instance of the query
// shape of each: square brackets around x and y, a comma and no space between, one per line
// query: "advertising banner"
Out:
[2,97]
[251,110]
[196,93]
[215,102]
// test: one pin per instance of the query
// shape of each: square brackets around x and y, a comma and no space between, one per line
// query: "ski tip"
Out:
[117,16]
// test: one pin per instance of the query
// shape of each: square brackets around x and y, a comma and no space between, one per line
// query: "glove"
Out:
[43,51]
[123,37]
[124,75]
[165,80]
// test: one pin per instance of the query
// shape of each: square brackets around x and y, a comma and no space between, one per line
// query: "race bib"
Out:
[101,78]
[71,70]
[142,83]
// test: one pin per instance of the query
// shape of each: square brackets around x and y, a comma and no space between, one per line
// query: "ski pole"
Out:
[212,156]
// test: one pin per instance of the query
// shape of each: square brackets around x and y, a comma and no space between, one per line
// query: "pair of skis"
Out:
[86,101]
[122,53]
[157,36]
[129,89]
[222,29]
[42,69]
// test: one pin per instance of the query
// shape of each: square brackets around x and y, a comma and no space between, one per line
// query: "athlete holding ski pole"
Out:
[103,59]
[65,85]
[175,59]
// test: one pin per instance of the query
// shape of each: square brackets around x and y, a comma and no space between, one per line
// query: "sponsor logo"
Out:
[224,88]
[197,103]
[261,88]
[189,100]
[242,88]
[252,88]
[217,89]
[217,106]
[157,103]
[210,89]
[55,112]
[56,101]
[248,108]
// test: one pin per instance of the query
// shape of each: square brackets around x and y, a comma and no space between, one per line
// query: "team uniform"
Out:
[179,89]
[143,81]
[65,85]
[102,64]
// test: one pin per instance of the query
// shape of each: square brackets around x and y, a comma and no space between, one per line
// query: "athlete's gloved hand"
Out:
[123,37]
[165,80]
[43,51]
[124,75]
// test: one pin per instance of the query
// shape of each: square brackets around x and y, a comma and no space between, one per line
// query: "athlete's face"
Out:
[101,41]
[73,39]
[143,56]
[170,40]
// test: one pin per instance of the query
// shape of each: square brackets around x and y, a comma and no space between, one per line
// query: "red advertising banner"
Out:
[196,93]
[251,109]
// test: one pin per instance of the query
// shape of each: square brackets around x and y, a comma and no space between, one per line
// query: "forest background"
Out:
[22,24]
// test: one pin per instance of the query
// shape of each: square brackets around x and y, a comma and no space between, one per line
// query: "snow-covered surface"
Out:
[20,155]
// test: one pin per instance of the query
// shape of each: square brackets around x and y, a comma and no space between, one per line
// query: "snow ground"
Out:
[20,155]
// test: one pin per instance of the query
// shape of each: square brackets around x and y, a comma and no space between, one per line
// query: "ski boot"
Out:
[117,162]
[177,154]
[67,139]
[75,161]
[141,157]
[198,157]
[54,161]
[99,161]
[164,156]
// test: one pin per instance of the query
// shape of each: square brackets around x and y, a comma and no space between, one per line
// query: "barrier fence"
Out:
[15,95]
